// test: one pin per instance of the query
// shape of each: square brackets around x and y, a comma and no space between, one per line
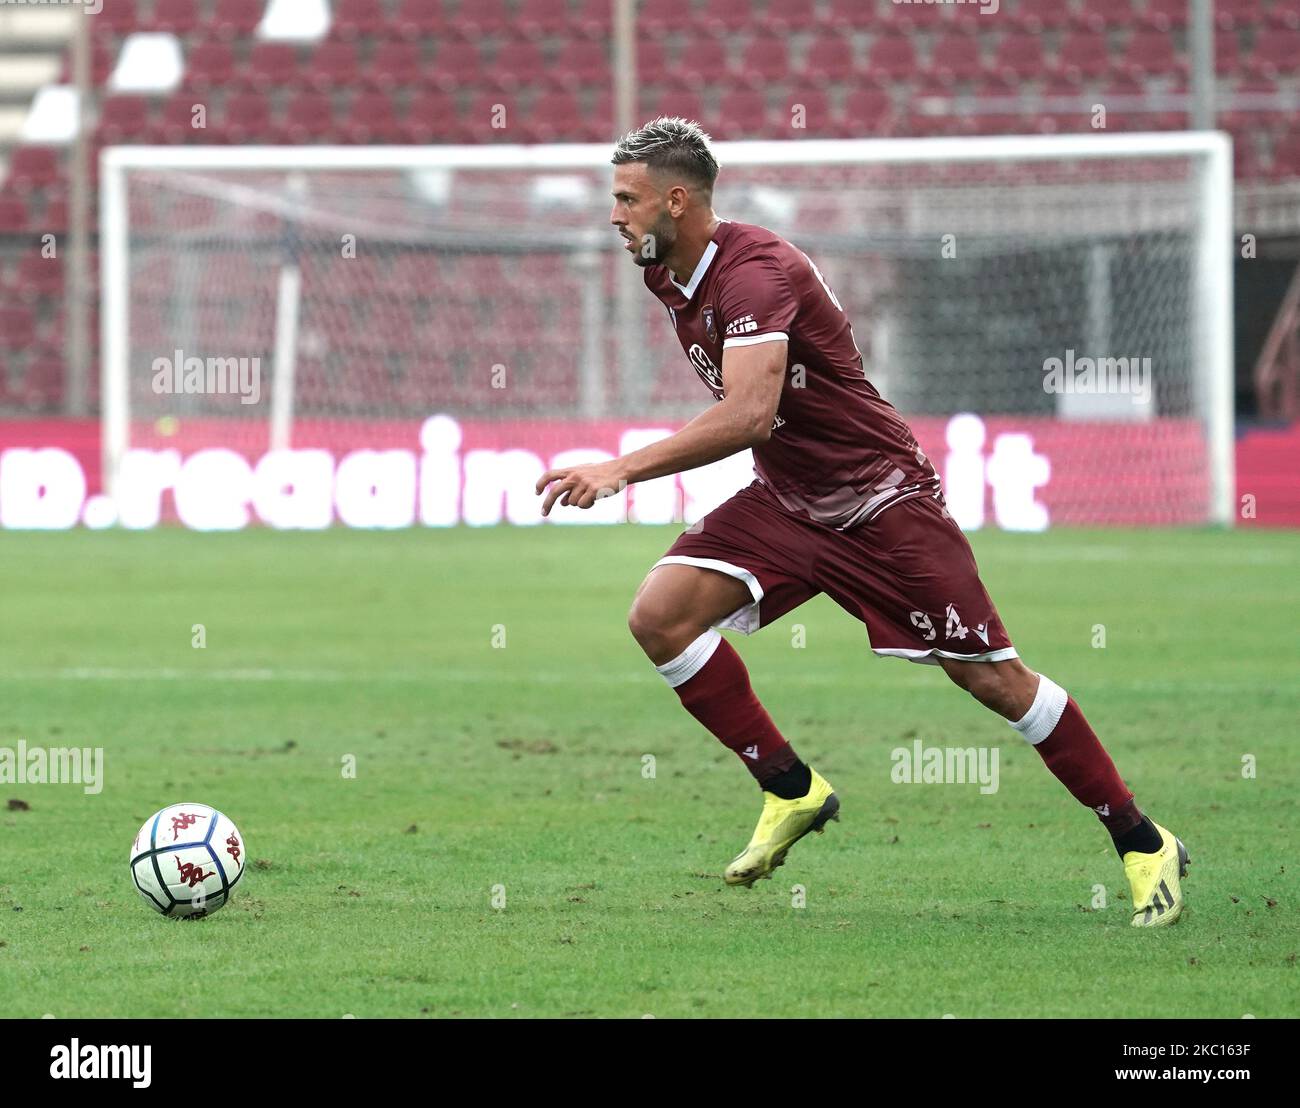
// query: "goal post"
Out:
[1072,293]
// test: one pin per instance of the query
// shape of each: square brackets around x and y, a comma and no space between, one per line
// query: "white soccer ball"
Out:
[187,859]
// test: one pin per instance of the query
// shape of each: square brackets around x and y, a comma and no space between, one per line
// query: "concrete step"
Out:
[11,123]
[39,23]
[25,73]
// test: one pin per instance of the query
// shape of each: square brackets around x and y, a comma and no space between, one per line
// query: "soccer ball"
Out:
[187,859]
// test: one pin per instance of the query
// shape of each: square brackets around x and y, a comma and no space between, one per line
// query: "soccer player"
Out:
[843,502]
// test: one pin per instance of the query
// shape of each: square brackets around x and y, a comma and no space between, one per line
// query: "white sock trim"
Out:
[691,660]
[1044,713]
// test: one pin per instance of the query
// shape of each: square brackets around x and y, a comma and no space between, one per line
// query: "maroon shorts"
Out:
[908,574]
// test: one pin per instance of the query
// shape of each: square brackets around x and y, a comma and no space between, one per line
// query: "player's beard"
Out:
[656,242]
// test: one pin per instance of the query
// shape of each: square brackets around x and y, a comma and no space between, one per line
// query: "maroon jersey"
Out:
[839,453]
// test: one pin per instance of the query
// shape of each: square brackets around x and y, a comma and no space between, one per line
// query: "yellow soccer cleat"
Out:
[782,824]
[1157,896]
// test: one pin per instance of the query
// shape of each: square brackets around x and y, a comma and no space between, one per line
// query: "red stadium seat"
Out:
[117,19]
[38,277]
[1020,55]
[354,18]
[664,17]
[333,65]
[1151,53]
[209,64]
[124,119]
[1285,162]
[372,117]
[790,17]
[1035,15]
[13,213]
[518,64]
[1227,53]
[703,61]
[849,14]
[55,217]
[237,18]
[866,112]
[765,60]
[536,18]
[180,17]
[913,17]
[1276,51]
[1098,14]
[33,167]
[592,18]
[457,66]
[395,64]
[956,57]
[582,63]
[721,17]
[431,117]
[474,21]
[309,117]
[272,65]
[1238,13]
[17,326]
[743,114]
[556,116]
[422,19]
[891,56]
[598,119]
[1084,53]
[1166,15]
[829,60]
[247,118]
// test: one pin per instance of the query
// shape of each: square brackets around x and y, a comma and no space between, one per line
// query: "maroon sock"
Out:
[713,685]
[1071,750]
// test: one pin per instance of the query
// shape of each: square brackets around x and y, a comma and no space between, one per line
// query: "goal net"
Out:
[392,336]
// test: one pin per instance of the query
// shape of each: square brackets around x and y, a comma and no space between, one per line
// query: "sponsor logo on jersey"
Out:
[710,374]
[742,326]
[710,322]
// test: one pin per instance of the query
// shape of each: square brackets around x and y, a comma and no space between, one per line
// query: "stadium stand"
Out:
[385,71]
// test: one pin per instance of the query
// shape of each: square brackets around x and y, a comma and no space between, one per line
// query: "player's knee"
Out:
[650,625]
[996,687]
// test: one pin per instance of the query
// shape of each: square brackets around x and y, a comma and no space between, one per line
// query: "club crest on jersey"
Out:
[710,322]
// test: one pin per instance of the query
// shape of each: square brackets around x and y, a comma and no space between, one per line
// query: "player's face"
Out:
[641,215]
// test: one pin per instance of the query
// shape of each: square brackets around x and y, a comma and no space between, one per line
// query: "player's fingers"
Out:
[561,487]
[546,478]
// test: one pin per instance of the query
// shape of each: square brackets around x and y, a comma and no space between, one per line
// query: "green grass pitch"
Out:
[515,771]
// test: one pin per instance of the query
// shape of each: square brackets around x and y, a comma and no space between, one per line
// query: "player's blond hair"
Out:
[674,145]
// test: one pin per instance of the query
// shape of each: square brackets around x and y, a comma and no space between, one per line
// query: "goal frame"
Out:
[1212,300]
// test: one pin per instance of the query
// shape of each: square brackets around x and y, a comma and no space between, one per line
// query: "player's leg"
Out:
[674,618]
[911,577]
[726,572]
[1050,720]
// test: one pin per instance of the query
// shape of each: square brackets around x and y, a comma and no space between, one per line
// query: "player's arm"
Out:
[752,377]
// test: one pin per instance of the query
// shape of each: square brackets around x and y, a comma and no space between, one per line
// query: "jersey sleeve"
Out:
[756,302]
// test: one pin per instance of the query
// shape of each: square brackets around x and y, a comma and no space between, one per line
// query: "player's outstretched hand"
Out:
[581,486]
